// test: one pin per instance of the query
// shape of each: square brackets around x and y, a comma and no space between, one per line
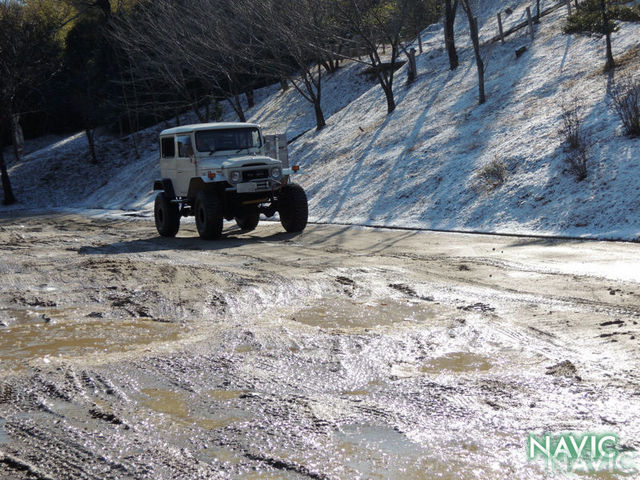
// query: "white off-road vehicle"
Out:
[218,171]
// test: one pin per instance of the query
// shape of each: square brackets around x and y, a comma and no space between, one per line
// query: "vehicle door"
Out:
[167,157]
[185,164]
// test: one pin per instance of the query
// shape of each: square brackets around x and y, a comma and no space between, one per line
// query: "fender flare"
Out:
[166,185]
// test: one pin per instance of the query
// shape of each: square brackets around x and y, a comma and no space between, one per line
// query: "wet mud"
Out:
[339,353]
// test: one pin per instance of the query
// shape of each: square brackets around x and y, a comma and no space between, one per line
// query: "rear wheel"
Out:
[208,213]
[248,218]
[167,215]
[293,208]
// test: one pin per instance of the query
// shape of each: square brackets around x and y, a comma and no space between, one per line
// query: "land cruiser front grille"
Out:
[249,175]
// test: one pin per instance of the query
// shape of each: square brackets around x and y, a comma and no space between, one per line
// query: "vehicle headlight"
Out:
[276,172]
[235,177]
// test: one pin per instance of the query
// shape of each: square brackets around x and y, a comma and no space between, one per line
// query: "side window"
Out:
[168,147]
[184,146]
[255,134]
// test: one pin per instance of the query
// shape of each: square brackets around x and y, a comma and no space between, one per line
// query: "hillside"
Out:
[419,166]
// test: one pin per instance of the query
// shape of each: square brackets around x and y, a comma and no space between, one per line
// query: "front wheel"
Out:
[208,213]
[293,208]
[167,215]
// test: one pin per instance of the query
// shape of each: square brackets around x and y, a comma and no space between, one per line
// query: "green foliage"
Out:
[29,55]
[91,71]
[422,13]
[57,13]
[626,14]
[588,18]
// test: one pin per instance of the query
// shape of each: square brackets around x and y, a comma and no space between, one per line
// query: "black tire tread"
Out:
[248,219]
[167,215]
[293,208]
[209,222]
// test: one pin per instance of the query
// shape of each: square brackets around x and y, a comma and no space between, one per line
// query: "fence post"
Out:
[500,27]
[530,21]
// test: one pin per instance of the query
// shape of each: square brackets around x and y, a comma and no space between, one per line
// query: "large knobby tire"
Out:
[248,218]
[293,208]
[208,213]
[167,215]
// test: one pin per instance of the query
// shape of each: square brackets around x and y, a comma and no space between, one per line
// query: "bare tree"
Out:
[194,57]
[28,56]
[610,64]
[450,8]
[473,32]
[421,14]
[152,37]
[376,24]
[295,42]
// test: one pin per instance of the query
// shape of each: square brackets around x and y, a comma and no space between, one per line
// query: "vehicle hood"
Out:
[237,162]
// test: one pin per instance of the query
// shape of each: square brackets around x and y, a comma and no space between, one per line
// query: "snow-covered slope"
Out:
[418,167]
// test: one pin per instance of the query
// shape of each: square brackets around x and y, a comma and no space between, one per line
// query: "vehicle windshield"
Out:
[227,139]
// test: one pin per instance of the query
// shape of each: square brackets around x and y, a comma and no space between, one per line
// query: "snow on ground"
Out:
[418,167]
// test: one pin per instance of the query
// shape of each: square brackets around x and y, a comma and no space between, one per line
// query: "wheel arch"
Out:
[196,185]
[166,185]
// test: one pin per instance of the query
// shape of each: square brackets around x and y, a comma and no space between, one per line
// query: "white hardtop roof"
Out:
[207,126]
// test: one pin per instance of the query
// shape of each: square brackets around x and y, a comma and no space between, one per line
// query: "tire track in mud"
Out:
[311,359]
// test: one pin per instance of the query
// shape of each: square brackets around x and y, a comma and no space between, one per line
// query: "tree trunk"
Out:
[237,107]
[196,109]
[251,102]
[91,139]
[473,29]
[331,65]
[610,63]
[388,93]
[105,6]
[9,198]
[18,137]
[412,71]
[320,122]
[449,39]
[283,84]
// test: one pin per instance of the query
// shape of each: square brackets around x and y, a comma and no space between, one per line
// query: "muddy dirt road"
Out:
[340,353]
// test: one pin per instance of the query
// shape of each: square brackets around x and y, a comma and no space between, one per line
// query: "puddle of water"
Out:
[382,452]
[222,455]
[356,392]
[37,315]
[37,338]
[340,313]
[378,452]
[457,362]
[177,406]
[225,395]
